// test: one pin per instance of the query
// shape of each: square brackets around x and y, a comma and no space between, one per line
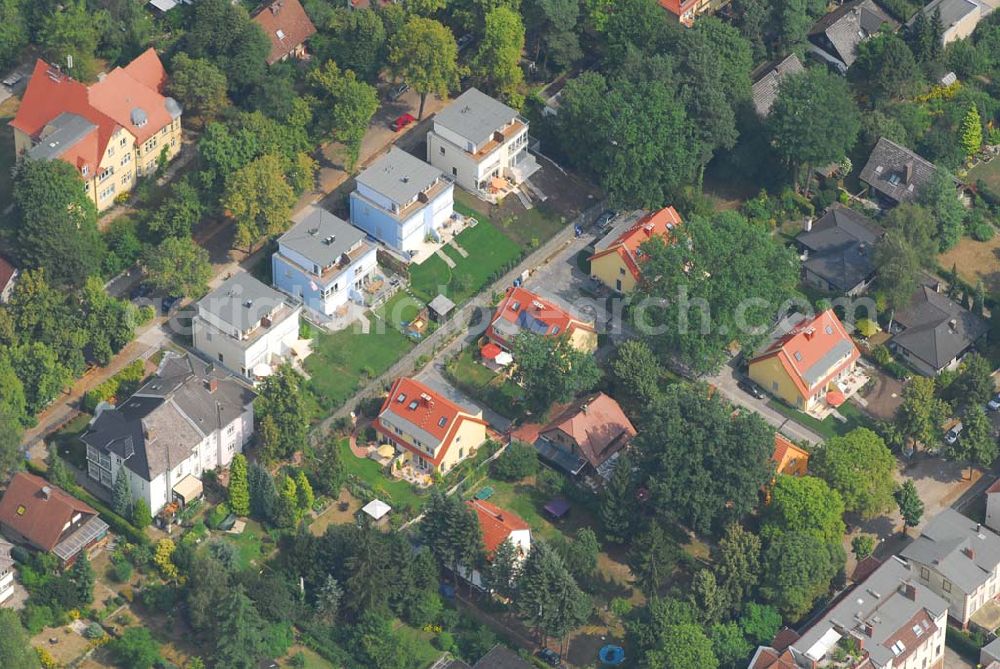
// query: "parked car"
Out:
[168,303]
[951,436]
[549,657]
[402,121]
[397,91]
[13,80]
[604,221]
[751,388]
[994,404]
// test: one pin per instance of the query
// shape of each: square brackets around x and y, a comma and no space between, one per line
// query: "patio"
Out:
[446,233]
[838,394]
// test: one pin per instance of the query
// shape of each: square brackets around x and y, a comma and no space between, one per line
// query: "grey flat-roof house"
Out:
[765,90]
[934,332]
[839,251]
[959,559]
[191,416]
[836,36]
[246,326]
[896,174]
[958,17]
[890,619]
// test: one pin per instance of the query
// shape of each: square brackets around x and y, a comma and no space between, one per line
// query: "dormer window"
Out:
[85,170]
[280,33]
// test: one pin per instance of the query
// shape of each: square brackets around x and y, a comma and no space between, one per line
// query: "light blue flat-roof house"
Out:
[401,200]
[323,261]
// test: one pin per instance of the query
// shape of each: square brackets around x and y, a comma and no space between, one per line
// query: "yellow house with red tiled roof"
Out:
[789,459]
[617,258]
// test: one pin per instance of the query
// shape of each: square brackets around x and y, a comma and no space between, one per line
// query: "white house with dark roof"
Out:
[888,621]
[402,201]
[476,139]
[189,418]
[959,559]
[246,326]
[835,37]
[6,572]
[323,261]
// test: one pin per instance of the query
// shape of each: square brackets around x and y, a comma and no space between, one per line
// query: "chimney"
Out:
[213,385]
[969,553]
[807,224]
[869,630]
[953,323]
[46,492]
[910,591]
[938,287]
[908,173]
[583,409]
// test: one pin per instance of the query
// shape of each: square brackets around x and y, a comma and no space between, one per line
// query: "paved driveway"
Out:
[952,660]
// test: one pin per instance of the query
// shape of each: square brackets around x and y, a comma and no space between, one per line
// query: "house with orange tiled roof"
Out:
[288,27]
[429,431]
[8,277]
[112,131]
[789,459]
[808,363]
[617,258]
[524,311]
[497,526]
[685,11]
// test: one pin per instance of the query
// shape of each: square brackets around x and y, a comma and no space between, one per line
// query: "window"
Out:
[208,336]
[111,150]
[220,357]
[454,171]
[413,405]
[122,142]
[164,131]
[443,421]
[105,173]
[621,271]
[20,509]
[442,150]
[946,585]
[925,574]
[85,170]
[358,270]
[126,159]
[231,429]
[401,398]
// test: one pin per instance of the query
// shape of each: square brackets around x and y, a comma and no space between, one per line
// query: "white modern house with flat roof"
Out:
[401,201]
[6,572]
[323,261]
[246,326]
[476,139]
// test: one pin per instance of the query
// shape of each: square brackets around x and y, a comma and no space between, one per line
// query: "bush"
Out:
[121,572]
[217,515]
[515,463]
[444,641]
[37,617]
[20,554]
[963,643]
[93,631]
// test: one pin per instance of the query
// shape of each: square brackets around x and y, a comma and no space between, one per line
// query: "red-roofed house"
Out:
[287,26]
[34,512]
[617,258]
[686,10]
[524,311]
[806,360]
[586,434]
[432,432]
[8,276]
[497,526]
[789,459]
[112,131]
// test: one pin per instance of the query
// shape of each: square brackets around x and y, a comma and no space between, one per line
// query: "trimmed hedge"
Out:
[962,643]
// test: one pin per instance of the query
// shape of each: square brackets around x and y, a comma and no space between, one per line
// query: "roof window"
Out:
[21,509]
[401,398]
[443,421]
[280,33]
[829,329]
[413,405]
[798,356]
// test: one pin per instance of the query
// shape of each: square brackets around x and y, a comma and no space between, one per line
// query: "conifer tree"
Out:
[971,131]
[618,505]
[304,493]
[239,486]
[121,495]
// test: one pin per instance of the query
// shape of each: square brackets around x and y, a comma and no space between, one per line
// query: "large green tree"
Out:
[799,567]
[737,565]
[350,105]
[887,67]
[451,531]
[721,280]
[14,33]
[703,465]
[71,34]
[552,370]
[177,266]
[976,445]
[424,55]
[652,558]
[282,401]
[199,86]
[940,195]
[681,647]
[260,199]
[971,131]
[15,645]
[804,504]
[224,34]
[548,597]
[911,507]
[814,119]
[498,62]
[356,41]
[55,223]
[240,640]
[135,649]
[619,508]
[860,467]
[636,373]
[239,487]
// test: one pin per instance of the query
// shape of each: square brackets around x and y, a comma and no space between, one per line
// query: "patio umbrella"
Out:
[504,359]
[263,370]
[835,398]
[490,351]
[386,451]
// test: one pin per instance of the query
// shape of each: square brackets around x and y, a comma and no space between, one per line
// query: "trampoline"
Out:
[612,655]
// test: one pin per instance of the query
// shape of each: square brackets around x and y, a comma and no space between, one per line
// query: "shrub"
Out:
[444,641]
[121,572]
[518,461]
[217,515]
[93,631]
[36,617]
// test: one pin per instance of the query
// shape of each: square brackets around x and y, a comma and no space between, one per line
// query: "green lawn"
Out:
[829,427]
[528,502]
[419,645]
[248,544]
[528,229]
[493,390]
[391,491]
[988,172]
[401,308]
[489,251]
[340,361]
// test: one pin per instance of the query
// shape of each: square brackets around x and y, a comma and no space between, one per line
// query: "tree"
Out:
[940,195]
[259,198]
[240,641]
[371,572]
[551,369]
[82,575]
[10,441]
[862,546]
[199,86]
[239,486]
[350,103]
[799,567]
[269,437]
[804,504]
[976,445]
[680,647]
[652,559]
[974,384]
[729,644]
[737,565]
[224,34]
[888,67]
[793,21]
[14,33]
[162,558]
[636,373]
[502,571]
[971,131]
[921,412]
[914,224]
[55,222]
[328,468]
[618,504]
[281,400]
[70,34]
[580,554]
[286,512]
[141,516]
[178,266]
[58,473]
[760,623]
[516,462]
[208,583]
[703,466]
[723,280]
[304,492]
[498,61]
[709,600]
[358,41]
[121,495]
[911,507]
[452,533]
[135,648]
[328,599]
[424,55]
[814,119]
[263,494]
[15,645]
[547,597]
[860,467]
